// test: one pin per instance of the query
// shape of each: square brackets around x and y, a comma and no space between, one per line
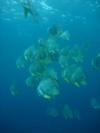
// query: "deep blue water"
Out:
[26,113]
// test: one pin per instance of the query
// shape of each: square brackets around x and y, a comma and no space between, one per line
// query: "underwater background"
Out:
[27,112]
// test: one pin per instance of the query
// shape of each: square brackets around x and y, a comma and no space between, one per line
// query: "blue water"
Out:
[26,112]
